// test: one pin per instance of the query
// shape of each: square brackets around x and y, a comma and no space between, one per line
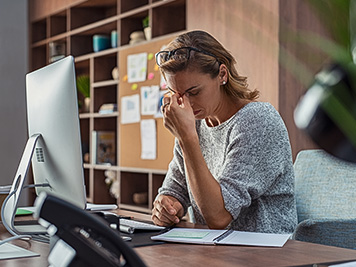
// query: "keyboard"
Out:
[129,226]
[45,238]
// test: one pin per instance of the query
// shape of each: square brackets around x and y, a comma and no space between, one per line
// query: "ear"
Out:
[223,74]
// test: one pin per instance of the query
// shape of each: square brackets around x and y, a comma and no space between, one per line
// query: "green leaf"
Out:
[146,22]
[341,116]
[334,14]
[83,85]
[333,49]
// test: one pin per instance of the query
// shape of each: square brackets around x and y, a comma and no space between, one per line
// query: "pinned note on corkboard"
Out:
[130,146]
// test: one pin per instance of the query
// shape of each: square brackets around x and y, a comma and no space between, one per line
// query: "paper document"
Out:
[10,251]
[137,67]
[346,264]
[149,99]
[130,109]
[148,139]
[222,237]
[29,209]
[91,206]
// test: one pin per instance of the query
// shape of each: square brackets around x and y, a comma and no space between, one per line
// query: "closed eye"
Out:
[194,93]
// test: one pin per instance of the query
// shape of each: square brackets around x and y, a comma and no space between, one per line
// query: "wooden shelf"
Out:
[75,24]
[105,83]
[98,115]
[97,54]
[104,26]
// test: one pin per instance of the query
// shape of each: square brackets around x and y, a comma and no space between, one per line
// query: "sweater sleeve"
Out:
[175,184]
[255,162]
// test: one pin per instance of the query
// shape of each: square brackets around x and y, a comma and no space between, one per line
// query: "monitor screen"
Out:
[52,112]
[54,144]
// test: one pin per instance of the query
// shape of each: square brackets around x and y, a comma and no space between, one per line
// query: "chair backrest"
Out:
[325,186]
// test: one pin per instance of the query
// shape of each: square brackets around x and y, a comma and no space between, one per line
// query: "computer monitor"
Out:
[54,143]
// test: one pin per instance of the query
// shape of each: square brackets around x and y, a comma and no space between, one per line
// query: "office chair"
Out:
[325,190]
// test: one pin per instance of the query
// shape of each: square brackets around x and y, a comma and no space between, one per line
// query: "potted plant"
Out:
[83,86]
[327,112]
[147,27]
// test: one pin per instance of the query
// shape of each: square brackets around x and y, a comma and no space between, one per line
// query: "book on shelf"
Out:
[104,147]
[108,108]
[222,237]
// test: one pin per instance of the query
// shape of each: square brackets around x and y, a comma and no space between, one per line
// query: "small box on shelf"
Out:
[57,50]
[101,42]
[114,39]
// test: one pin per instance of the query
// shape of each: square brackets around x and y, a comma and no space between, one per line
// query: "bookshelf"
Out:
[71,24]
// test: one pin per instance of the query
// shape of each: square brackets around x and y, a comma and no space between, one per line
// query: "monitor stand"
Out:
[9,208]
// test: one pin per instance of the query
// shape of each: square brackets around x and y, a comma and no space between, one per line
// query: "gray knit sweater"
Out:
[250,156]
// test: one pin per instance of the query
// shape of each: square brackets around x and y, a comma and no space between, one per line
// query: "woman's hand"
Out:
[166,211]
[178,116]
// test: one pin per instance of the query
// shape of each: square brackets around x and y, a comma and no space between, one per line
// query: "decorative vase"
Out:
[115,73]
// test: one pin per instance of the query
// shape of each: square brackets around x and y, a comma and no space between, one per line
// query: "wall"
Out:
[13,67]
[38,9]
[297,15]
[249,30]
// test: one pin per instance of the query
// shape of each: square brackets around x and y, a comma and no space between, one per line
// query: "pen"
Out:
[126,238]
[222,236]
[127,229]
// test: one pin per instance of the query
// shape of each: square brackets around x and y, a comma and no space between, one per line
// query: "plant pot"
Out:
[148,33]
[86,106]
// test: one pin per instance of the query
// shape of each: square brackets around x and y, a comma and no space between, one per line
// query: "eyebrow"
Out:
[186,91]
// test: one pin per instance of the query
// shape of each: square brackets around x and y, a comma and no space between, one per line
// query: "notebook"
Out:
[222,237]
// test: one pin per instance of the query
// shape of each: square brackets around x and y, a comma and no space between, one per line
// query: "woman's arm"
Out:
[205,189]
[173,199]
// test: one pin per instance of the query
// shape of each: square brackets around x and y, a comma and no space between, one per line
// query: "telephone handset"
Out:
[84,239]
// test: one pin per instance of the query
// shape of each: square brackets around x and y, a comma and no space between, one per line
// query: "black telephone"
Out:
[84,239]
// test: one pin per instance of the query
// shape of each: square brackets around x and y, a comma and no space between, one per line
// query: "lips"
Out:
[196,112]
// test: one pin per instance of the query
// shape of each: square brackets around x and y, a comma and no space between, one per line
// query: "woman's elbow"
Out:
[220,222]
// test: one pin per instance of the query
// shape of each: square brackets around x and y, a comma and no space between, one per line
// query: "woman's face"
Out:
[204,93]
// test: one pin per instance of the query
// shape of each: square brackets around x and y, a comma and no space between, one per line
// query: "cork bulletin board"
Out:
[130,134]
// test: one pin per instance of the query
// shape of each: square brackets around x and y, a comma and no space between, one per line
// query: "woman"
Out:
[232,158]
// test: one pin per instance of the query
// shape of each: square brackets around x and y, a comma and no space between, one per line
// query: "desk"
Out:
[294,253]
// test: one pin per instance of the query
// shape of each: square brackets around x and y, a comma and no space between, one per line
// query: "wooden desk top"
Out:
[293,253]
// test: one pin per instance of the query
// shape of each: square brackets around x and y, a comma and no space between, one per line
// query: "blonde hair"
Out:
[236,86]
